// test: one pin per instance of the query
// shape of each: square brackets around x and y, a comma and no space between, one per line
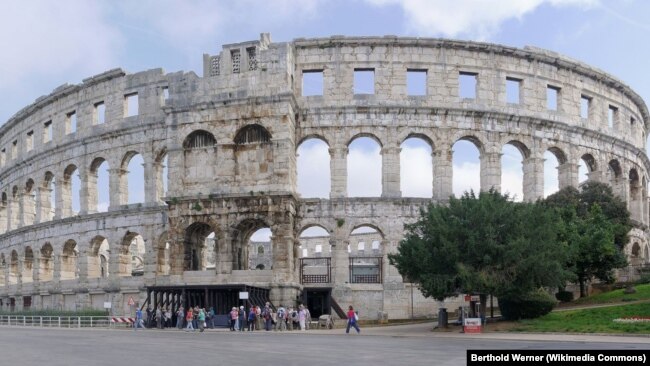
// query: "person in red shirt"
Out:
[352,320]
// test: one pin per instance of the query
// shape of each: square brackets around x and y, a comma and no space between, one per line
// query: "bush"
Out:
[564,296]
[645,278]
[529,306]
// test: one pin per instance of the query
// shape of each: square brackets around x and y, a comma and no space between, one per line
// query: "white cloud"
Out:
[551,182]
[416,172]
[467,176]
[364,169]
[475,19]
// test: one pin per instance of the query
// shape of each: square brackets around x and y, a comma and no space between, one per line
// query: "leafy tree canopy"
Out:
[486,244]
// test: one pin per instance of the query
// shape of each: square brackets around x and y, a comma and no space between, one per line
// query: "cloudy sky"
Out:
[49,43]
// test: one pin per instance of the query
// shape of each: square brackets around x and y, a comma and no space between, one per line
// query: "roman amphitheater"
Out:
[219,159]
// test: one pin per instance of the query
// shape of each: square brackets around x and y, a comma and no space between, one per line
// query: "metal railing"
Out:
[59,321]
[365,269]
[319,268]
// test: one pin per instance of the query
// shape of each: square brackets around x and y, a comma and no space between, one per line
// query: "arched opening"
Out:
[3,266]
[99,186]
[512,169]
[260,250]
[586,166]
[13,268]
[47,200]
[3,213]
[551,173]
[364,168]
[29,203]
[252,134]
[315,242]
[28,265]
[163,266]
[635,202]
[646,254]
[365,266]
[199,157]
[131,258]
[134,165]
[313,164]
[69,262]
[200,252]
[466,163]
[71,191]
[636,250]
[46,269]
[416,168]
[162,174]
[98,257]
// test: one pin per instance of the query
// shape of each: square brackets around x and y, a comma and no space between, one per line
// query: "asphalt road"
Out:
[73,347]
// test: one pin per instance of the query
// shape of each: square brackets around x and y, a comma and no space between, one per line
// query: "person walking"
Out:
[189,317]
[180,316]
[242,318]
[211,315]
[301,317]
[159,318]
[138,320]
[251,319]
[201,320]
[307,318]
[352,320]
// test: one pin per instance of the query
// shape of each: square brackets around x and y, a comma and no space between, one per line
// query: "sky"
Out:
[49,43]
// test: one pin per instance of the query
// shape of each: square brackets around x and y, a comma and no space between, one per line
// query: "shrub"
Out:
[645,278]
[564,296]
[529,306]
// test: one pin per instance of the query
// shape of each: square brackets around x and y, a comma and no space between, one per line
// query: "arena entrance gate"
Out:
[220,297]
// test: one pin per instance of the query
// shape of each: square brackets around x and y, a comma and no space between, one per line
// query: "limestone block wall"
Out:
[229,138]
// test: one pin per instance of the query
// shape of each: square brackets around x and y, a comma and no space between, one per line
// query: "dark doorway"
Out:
[12,304]
[27,302]
[317,301]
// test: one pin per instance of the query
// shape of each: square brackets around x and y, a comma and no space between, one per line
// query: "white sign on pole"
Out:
[107,305]
[243,295]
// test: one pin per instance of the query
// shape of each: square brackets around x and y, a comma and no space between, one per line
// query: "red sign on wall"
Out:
[472,325]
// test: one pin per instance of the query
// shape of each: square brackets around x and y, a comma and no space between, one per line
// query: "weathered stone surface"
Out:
[231,138]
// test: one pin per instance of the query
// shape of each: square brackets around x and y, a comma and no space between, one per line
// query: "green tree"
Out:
[486,244]
[595,225]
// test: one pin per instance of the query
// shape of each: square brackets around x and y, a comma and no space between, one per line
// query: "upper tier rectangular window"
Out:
[416,82]
[131,107]
[585,106]
[552,98]
[513,90]
[100,113]
[467,83]
[612,116]
[71,122]
[29,141]
[364,81]
[47,132]
[312,82]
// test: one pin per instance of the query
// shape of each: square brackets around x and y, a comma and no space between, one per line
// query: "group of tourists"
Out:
[256,318]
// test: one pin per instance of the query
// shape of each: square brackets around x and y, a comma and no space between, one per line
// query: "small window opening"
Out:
[252,58]
[612,116]
[71,122]
[513,90]
[552,95]
[131,105]
[47,131]
[14,149]
[632,121]
[29,142]
[585,104]
[100,113]
[312,82]
[416,82]
[235,56]
[364,81]
[467,82]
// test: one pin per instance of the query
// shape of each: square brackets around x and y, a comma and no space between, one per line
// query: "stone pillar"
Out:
[27,208]
[7,272]
[283,257]
[36,266]
[118,188]
[12,214]
[340,261]
[19,274]
[150,254]
[442,173]
[83,265]
[491,171]
[114,260]
[151,182]
[596,176]
[58,197]
[56,276]
[339,172]
[3,219]
[44,204]
[64,198]
[568,175]
[533,178]
[226,256]
[390,172]
[89,193]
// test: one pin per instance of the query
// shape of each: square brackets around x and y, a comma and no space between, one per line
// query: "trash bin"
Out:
[442,318]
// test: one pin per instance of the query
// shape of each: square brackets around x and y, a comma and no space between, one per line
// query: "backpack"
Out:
[265,314]
[281,314]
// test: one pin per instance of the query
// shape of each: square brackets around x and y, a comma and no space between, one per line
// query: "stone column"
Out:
[27,208]
[3,219]
[442,173]
[56,276]
[114,259]
[150,254]
[283,258]
[64,198]
[151,182]
[44,204]
[491,171]
[89,193]
[58,197]
[533,178]
[36,266]
[118,188]
[596,176]
[19,274]
[568,175]
[340,261]
[82,260]
[12,214]
[7,274]
[390,172]
[339,172]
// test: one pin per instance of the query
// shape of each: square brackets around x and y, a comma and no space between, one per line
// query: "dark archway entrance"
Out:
[318,301]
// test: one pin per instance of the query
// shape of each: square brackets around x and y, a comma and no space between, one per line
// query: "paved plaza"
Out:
[397,345]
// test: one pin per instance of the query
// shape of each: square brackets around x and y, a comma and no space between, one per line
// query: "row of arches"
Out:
[512,167]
